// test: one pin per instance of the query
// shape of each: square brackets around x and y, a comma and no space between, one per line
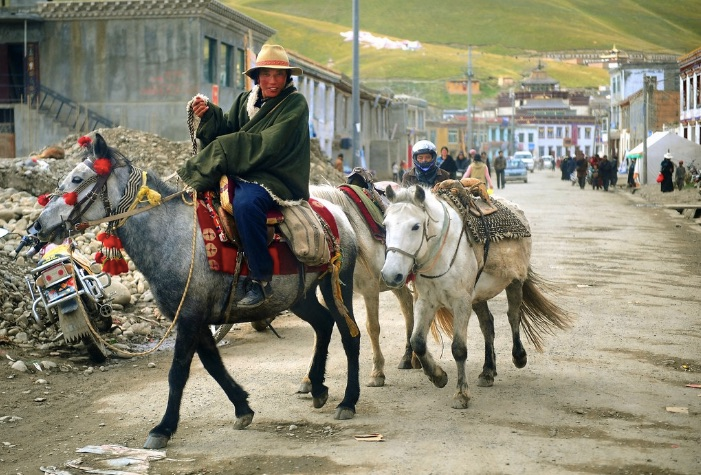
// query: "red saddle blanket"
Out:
[221,255]
[362,202]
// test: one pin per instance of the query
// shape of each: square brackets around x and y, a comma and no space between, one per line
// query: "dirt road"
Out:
[596,401]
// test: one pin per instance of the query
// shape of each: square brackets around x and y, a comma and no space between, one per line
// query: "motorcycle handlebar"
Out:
[29,241]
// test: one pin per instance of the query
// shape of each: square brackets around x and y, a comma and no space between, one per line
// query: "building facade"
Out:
[690,96]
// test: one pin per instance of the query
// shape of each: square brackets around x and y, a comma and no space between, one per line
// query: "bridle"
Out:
[435,251]
[99,190]
[114,216]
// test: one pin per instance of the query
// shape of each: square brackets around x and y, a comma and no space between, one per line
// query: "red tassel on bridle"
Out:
[110,256]
[70,198]
[102,166]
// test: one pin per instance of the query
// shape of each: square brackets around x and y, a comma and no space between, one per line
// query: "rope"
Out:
[130,354]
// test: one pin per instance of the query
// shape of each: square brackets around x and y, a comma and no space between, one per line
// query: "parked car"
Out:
[547,161]
[527,158]
[516,170]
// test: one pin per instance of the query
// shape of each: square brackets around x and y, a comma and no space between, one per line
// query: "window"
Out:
[452,135]
[240,78]
[558,132]
[225,57]
[209,60]
[551,132]
[587,132]
[530,137]
[541,132]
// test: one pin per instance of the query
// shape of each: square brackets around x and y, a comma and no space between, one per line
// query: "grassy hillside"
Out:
[506,36]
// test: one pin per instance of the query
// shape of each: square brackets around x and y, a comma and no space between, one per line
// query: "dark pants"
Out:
[501,179]
[251,203]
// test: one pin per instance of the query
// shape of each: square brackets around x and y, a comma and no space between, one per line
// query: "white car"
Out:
[527,158]
[547,161]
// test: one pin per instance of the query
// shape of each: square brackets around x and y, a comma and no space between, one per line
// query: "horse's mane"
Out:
[329,193]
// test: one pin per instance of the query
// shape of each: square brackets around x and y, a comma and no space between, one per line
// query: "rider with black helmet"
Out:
[425,171]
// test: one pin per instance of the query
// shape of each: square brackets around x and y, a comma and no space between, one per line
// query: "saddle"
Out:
[295,233]
[364,179]
[471,192]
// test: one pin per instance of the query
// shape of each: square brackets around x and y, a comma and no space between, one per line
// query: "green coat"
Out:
[272,149]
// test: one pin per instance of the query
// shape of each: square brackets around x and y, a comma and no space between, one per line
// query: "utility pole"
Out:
[643,167]
[356,86]
[468,138]
[512,133]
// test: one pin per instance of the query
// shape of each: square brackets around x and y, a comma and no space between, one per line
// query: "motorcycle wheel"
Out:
[220,331]
[96,349]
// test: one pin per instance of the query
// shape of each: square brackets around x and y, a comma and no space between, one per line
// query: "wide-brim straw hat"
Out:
[273,57]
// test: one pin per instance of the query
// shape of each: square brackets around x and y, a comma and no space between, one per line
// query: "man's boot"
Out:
[257,293]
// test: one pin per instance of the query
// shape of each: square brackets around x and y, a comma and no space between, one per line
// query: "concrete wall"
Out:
[35,131]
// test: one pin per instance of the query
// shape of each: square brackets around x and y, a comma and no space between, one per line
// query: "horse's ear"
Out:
[389,193]
[420,194]
[100,146]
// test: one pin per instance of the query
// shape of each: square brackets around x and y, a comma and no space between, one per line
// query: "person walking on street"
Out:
[581,167]
[479,170]
[263,144]
[499,167]
[605,172]
[425,171]
[461,162]
[448,164]
[395,172]
[338,165]
[680,175]
[667,170]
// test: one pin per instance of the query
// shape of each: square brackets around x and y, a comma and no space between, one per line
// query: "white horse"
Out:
[426,237]
[367,282]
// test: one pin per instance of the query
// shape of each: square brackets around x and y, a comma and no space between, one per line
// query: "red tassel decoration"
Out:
[70,198]
[102,166]
[110,256]
[43,200]
[84,141]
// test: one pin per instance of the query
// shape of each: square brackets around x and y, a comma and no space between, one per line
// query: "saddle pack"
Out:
[304,233]
[369,197]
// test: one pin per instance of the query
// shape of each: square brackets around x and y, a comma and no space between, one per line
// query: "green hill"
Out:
[507,37]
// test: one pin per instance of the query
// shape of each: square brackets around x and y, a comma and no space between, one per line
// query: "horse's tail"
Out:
[444,322]
[539,315]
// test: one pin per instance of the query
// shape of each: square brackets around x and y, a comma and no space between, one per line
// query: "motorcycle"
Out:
[68,296]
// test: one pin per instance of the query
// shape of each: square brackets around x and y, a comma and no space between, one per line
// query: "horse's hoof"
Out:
[405,363]
[343,414]
[321,400]
[156,441]
[460,401]
[243,421]
[305,387]
[440,380]
[376,381]
[521,361]
[485,381]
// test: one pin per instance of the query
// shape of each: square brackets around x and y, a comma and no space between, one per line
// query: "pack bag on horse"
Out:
[460,257]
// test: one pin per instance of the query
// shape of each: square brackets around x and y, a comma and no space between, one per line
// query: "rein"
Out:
[123,216]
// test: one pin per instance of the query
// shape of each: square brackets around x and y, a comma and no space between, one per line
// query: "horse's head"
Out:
[406,221]
[86,193]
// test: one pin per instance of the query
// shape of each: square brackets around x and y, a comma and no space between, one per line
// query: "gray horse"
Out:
[166,245]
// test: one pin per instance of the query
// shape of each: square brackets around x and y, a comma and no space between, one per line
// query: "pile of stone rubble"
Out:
[137,321]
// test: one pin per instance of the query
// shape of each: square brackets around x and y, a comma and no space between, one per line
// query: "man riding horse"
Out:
[263,144]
